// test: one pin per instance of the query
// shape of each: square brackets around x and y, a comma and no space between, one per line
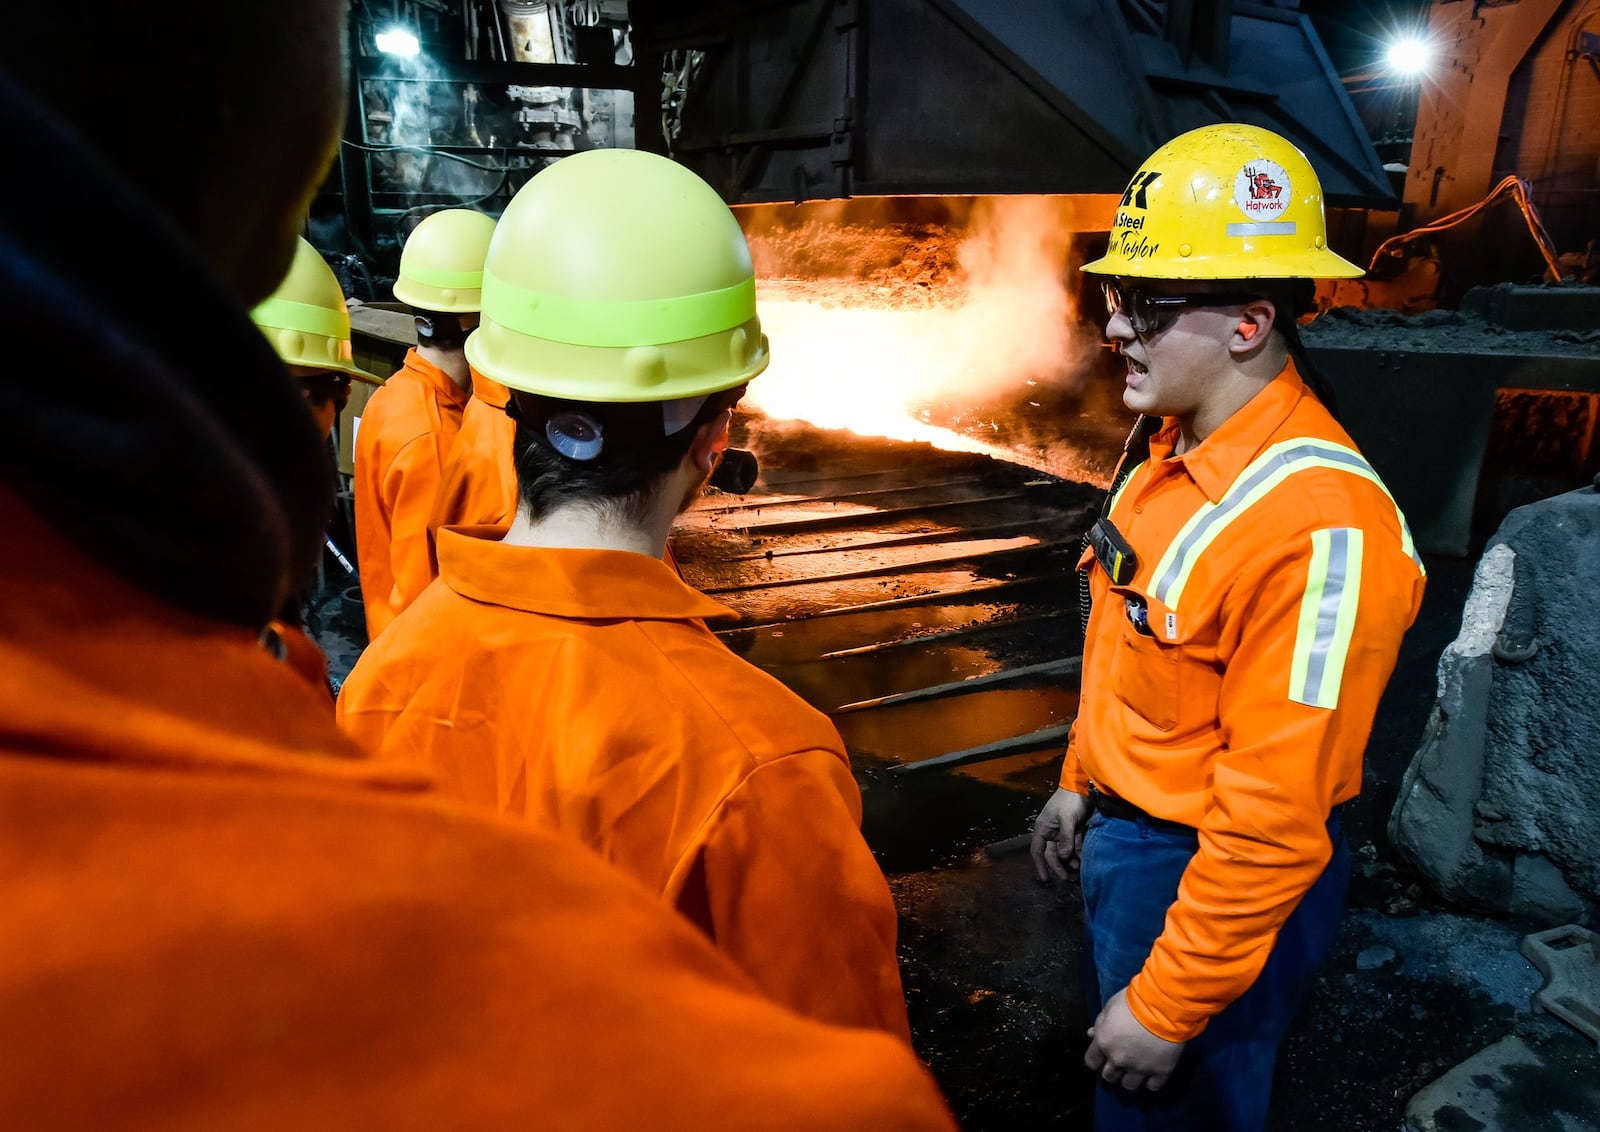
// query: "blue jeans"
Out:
[1222,1083]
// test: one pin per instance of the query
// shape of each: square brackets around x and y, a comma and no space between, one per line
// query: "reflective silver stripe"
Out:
[1327,617]
[1263,474]
[1263,228]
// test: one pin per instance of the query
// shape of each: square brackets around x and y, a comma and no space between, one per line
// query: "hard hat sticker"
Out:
[1262,190]
[1134,195]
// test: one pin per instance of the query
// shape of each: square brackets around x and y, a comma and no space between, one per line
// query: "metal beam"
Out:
[1116,148]
[942,635]
[1046,737]
[1069,666]
[757,503]
[945,534]
[950,596]
[595,76]
[895,568]
[861,518]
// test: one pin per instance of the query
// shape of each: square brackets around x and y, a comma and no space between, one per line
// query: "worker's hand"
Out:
[1058,834]
[1122,1052]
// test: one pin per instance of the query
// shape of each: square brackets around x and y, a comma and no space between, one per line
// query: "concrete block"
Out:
[1433,818]
[1569,959]
[1545,1080]
[1518,307]
[1500,808]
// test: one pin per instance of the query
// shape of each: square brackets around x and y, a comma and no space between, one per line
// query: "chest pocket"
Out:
[1145,665]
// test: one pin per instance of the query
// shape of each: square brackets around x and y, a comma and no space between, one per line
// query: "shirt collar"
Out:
[585,584]
[489,391]
[435,378]
[1216,462]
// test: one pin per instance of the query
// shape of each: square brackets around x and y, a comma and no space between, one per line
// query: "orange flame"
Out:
[919,321]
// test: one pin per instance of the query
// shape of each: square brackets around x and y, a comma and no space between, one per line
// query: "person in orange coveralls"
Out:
[1252,581]
[409,426]
[558,671]
[478,485]
[308,324]
[217,914]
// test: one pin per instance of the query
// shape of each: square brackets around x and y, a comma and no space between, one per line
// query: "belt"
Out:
[1120,809]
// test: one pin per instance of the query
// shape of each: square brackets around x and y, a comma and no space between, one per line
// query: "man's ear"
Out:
[1257,318]
[709,441]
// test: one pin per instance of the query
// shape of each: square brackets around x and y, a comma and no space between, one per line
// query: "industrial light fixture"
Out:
[398,41]
[1409,55]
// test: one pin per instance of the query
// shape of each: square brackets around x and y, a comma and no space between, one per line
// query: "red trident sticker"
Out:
[1262,190]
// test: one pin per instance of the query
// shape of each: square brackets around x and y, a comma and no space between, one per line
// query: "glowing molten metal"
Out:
[909,331]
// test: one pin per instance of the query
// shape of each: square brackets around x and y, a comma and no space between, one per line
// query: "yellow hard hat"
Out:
[1223,202]
[618,276]
[441,267]
[306,319]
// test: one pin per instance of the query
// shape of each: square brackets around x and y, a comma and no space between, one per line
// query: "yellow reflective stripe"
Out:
[1264,473]
[617,323]
[434,277]
[1117,498]
[286,314]
[1327,617]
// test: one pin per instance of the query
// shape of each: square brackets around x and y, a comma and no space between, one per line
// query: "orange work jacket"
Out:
[1276,578]
[407,432]
[217,915]
[479,484]
[580,690]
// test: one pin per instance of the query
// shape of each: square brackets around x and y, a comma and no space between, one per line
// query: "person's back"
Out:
[478,485]
[217,914]
[580,690]
[409,427]
[558,671]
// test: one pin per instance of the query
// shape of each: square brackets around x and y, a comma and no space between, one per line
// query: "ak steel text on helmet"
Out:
[1223,202]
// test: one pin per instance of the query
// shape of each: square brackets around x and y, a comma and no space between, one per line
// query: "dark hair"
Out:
[621,479]
[439,329]
[1294,298]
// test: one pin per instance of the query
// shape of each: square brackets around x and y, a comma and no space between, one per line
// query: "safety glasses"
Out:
[1148,313]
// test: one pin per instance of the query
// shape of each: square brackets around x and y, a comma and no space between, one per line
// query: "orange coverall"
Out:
[407,431]
[581,691]
[1279,580]
[478,486]
[217,915]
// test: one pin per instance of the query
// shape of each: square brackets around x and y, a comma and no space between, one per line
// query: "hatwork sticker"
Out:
[1262,190]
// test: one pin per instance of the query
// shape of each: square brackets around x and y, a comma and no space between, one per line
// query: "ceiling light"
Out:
[1409,55]
[398,41]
